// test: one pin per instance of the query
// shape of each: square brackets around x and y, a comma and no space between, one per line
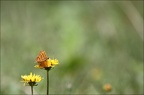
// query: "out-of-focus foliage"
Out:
[96,42]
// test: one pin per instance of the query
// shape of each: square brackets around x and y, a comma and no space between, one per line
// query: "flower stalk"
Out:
[32,89]
[47,82]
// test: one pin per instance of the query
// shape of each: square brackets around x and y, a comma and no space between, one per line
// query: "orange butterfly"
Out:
[41,57]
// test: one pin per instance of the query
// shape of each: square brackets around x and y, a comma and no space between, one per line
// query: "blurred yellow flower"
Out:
[107,87]
[49,63]
[31,79]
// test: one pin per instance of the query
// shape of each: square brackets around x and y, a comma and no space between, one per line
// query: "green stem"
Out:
[32,89]
[47,82]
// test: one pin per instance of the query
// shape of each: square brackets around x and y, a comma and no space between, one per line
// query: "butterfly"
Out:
[41,57]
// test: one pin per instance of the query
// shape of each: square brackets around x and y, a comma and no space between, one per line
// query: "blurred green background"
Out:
[96,42]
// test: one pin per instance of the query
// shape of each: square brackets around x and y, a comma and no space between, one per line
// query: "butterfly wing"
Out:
[41,57]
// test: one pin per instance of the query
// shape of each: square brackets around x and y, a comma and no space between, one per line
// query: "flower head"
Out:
[49,63]
[31,79]
[45,62]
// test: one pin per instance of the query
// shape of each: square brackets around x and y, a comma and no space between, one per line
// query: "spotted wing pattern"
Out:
[41,57]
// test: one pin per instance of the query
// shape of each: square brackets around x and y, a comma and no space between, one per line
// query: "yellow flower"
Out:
[49,63]
[107,87]
[31,79]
